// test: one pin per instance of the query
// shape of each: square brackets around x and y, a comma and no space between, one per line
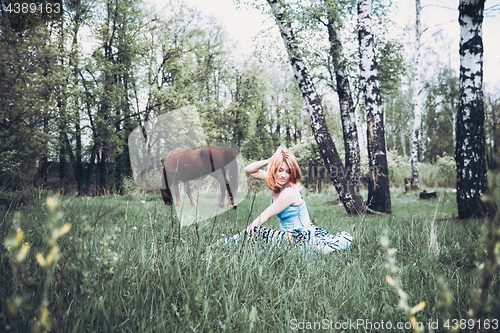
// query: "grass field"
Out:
[136,270]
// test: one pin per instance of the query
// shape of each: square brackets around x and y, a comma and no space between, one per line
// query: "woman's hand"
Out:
[255,223]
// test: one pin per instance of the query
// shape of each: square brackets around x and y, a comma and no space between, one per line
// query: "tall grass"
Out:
[170,278]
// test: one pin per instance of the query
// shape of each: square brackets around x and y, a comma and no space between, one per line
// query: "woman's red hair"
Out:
[282,155]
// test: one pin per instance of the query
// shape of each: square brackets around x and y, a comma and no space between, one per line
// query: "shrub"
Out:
[442,173]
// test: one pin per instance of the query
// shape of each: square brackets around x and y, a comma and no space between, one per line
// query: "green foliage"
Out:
[398,112]
[307,150]
[391,67]
[129,185]
[247,92]
[267,111]
[439,116]
[492,129]
[309,158]
[140,64]
[26,83]
[442,173]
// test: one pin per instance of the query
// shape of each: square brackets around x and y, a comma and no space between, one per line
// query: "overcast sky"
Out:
[243,24]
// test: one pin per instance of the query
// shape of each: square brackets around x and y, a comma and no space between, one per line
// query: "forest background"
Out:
[77,87]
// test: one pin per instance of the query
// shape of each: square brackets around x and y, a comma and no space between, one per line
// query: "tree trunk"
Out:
[424,144]
[77,159]
[347,110]
[379,197]
[393,131]
[417,104]
[492,137]
[353,202]
[62,121]
[470,148]
[43,167]
[403,144]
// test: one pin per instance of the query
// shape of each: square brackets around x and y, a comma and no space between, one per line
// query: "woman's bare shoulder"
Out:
[292,194]
[294,187]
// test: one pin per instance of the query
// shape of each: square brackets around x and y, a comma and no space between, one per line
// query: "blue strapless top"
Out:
[294,217]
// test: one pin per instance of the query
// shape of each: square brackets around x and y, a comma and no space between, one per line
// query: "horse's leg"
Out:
[188,191]
[226,182]
[175,189]
[218,176]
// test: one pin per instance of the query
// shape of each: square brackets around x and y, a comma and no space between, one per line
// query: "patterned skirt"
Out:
[311,238]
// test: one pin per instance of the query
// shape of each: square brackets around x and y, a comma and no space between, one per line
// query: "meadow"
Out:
[126,265]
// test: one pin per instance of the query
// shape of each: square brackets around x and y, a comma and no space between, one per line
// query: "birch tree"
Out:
[347,109]
[417,102]
[470,146]
[379,198]
[353,202]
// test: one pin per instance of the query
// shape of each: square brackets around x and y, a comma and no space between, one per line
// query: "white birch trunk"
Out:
[403,144]
[379,198]
[347,108]
[393,131]
[417,103]
[424,143]
[352,200]
[453,128]
[470,145]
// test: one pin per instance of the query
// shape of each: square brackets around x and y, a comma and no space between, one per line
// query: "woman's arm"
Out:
[285,199]
[254,169]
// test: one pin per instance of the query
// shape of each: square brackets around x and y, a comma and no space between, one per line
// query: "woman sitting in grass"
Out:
[282,177]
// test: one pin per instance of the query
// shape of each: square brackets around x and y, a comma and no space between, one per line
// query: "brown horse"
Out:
[185,165]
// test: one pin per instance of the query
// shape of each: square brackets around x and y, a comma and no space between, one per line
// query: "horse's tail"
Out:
[165,190]
[230,161]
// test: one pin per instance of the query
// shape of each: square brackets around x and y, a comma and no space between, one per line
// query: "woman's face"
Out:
[283,174]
